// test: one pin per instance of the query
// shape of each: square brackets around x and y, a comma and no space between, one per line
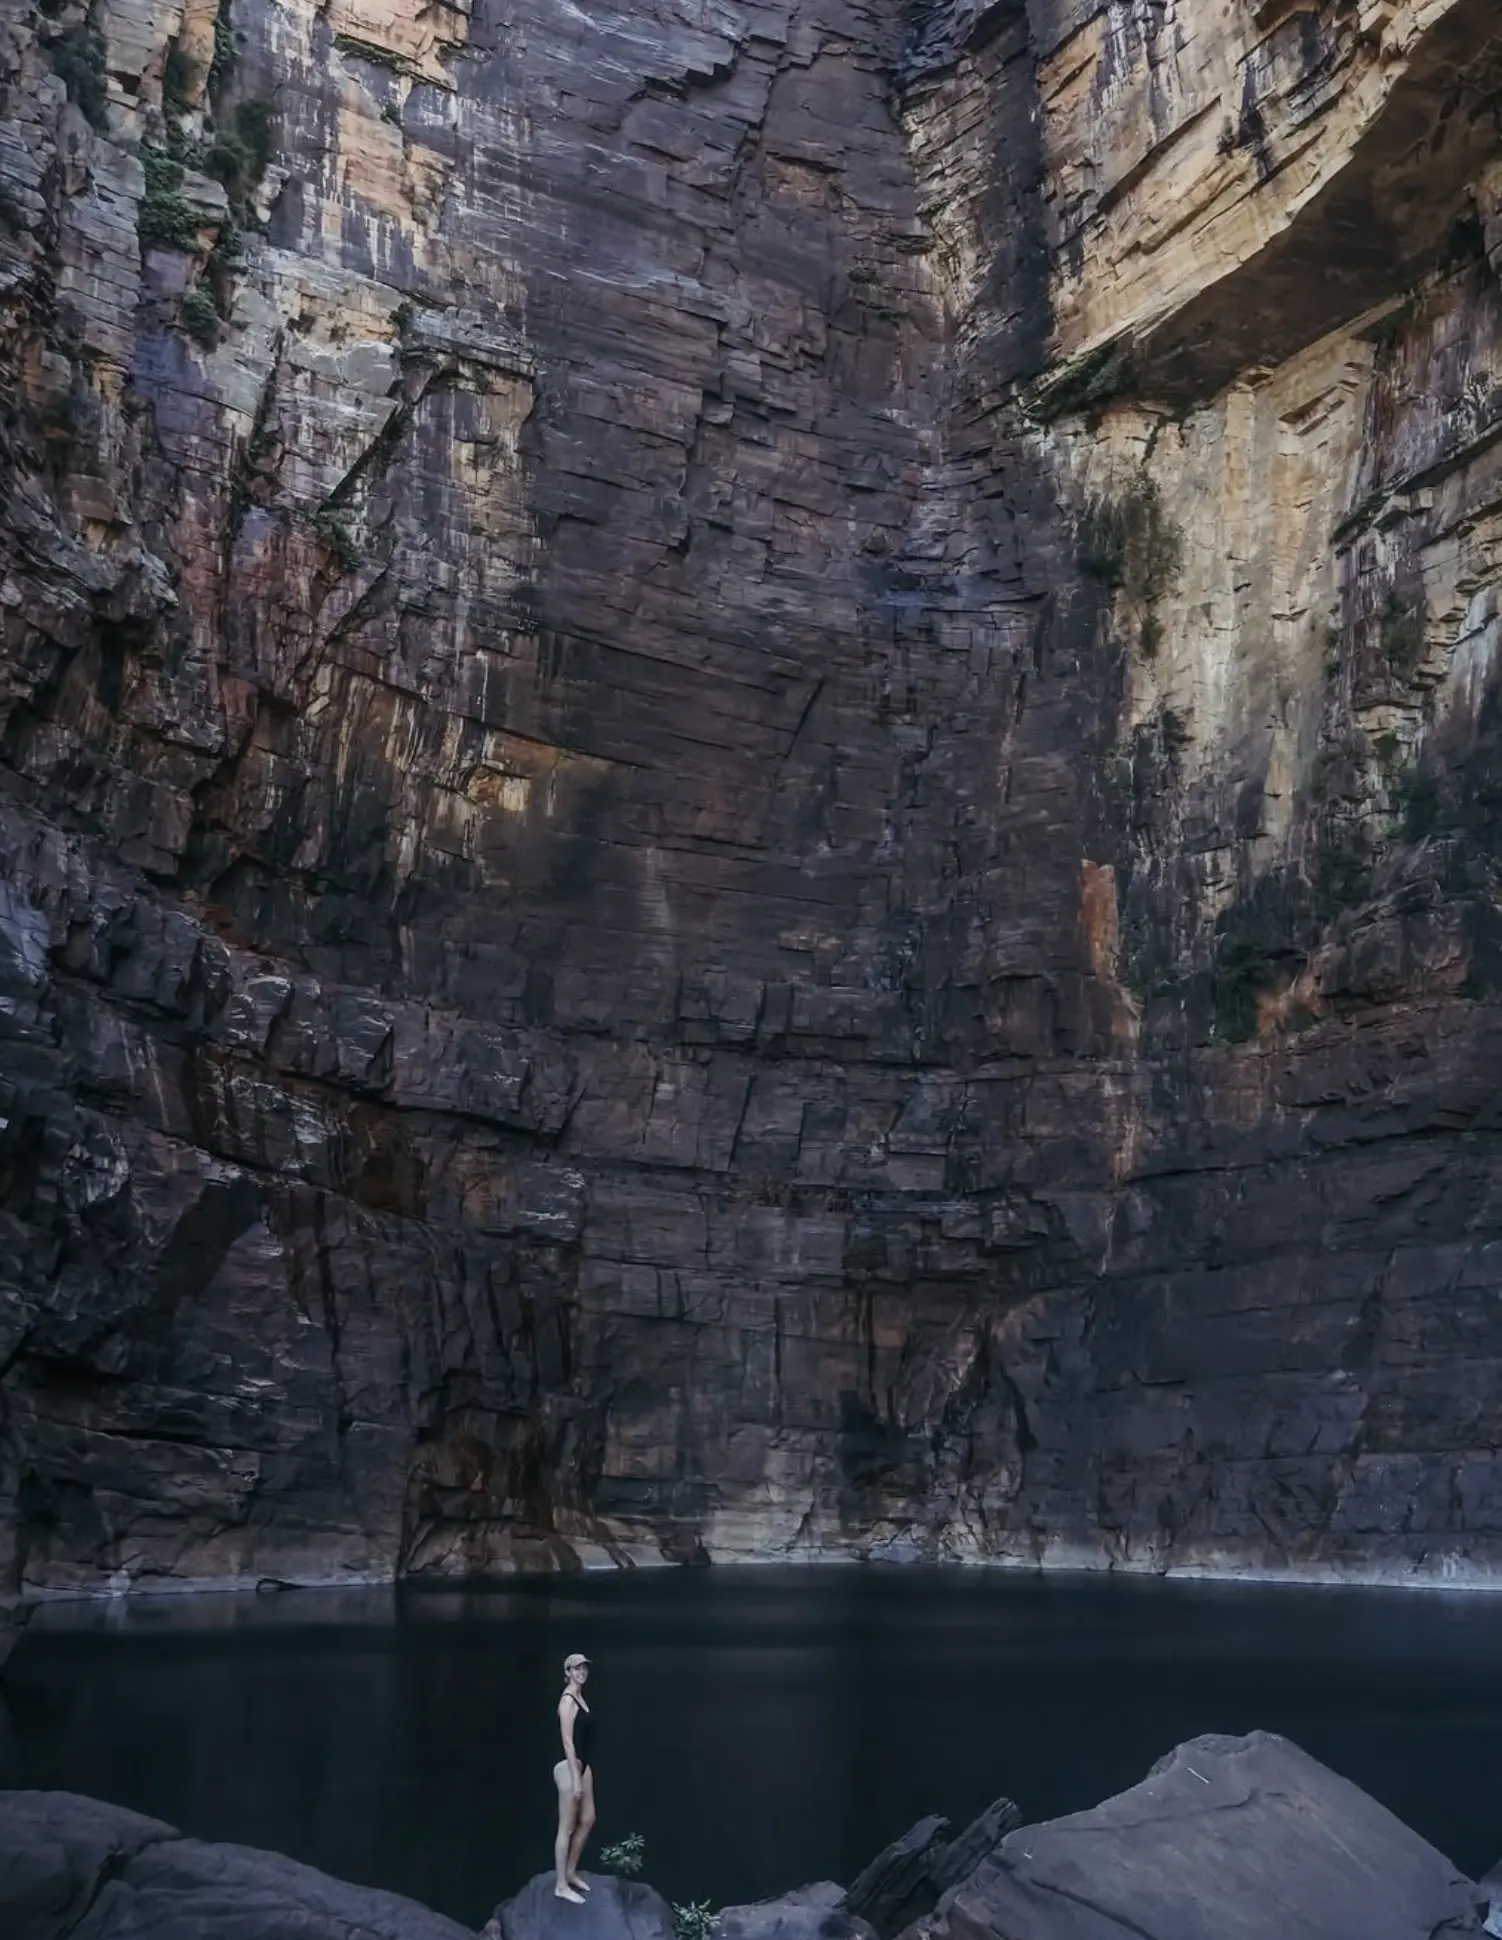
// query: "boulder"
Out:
[908,1880]
[816,1912]
[616,1909]
[1226,1839]
[74,1869]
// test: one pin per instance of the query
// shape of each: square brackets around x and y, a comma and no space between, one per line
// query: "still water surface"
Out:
[759,1728]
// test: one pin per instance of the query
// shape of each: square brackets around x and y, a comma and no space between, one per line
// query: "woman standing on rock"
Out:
[575,1781]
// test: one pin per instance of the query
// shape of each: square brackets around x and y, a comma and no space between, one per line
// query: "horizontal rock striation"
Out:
[746,786]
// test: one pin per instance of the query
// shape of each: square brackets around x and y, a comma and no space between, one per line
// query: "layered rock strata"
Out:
[746,798]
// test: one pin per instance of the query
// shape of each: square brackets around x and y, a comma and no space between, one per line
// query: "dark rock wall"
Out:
[593,964]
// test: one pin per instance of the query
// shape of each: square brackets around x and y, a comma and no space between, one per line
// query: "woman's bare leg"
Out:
[568,1813]
[584,1824]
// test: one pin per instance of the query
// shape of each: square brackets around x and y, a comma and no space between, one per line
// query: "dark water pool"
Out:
[759,1728]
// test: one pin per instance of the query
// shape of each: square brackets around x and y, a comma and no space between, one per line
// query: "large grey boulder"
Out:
[817,1912]
[74,1869]
[615,1909]
[1226,1839]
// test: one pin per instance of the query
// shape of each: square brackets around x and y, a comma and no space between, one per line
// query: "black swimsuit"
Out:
[584,1731]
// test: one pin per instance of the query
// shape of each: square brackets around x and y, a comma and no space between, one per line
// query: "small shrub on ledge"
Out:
[626,1856]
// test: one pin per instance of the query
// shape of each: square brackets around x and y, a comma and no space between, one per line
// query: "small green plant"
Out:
[1418,802]
[255,124]
[1242,972]
[238,156]
[1400,634]
[179,80]
[336,535]
[1335,772]
[694,1921]
[1386,330]
[165,220]
[1082,387]
[78,60]
[1176,731]
[222,66]
[1341,876]
[626,1856]
[224,257]
[1388,749]
[1131,542]
[60,420]
[372,51]
[199,316]
[224,159]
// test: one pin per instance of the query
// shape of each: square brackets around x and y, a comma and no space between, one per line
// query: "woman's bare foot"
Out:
[568,1893]
[579,1885]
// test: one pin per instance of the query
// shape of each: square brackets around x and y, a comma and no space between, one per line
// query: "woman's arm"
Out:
[566,1712]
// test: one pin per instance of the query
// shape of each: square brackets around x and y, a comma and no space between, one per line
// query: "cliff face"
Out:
[749,784]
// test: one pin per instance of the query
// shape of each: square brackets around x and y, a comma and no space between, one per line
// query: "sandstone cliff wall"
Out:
[748,784]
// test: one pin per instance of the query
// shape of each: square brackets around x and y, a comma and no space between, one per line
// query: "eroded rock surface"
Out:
[747,785]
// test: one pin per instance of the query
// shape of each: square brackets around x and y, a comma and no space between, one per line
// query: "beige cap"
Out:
[574,1661]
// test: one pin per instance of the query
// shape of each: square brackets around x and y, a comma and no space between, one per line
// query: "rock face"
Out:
[73,1869]
[1226,1839]
[747,785]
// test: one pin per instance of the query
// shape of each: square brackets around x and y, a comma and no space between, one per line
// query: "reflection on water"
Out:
[759,1728]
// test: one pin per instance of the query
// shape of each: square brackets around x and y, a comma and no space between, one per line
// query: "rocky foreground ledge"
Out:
[1225,1839]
